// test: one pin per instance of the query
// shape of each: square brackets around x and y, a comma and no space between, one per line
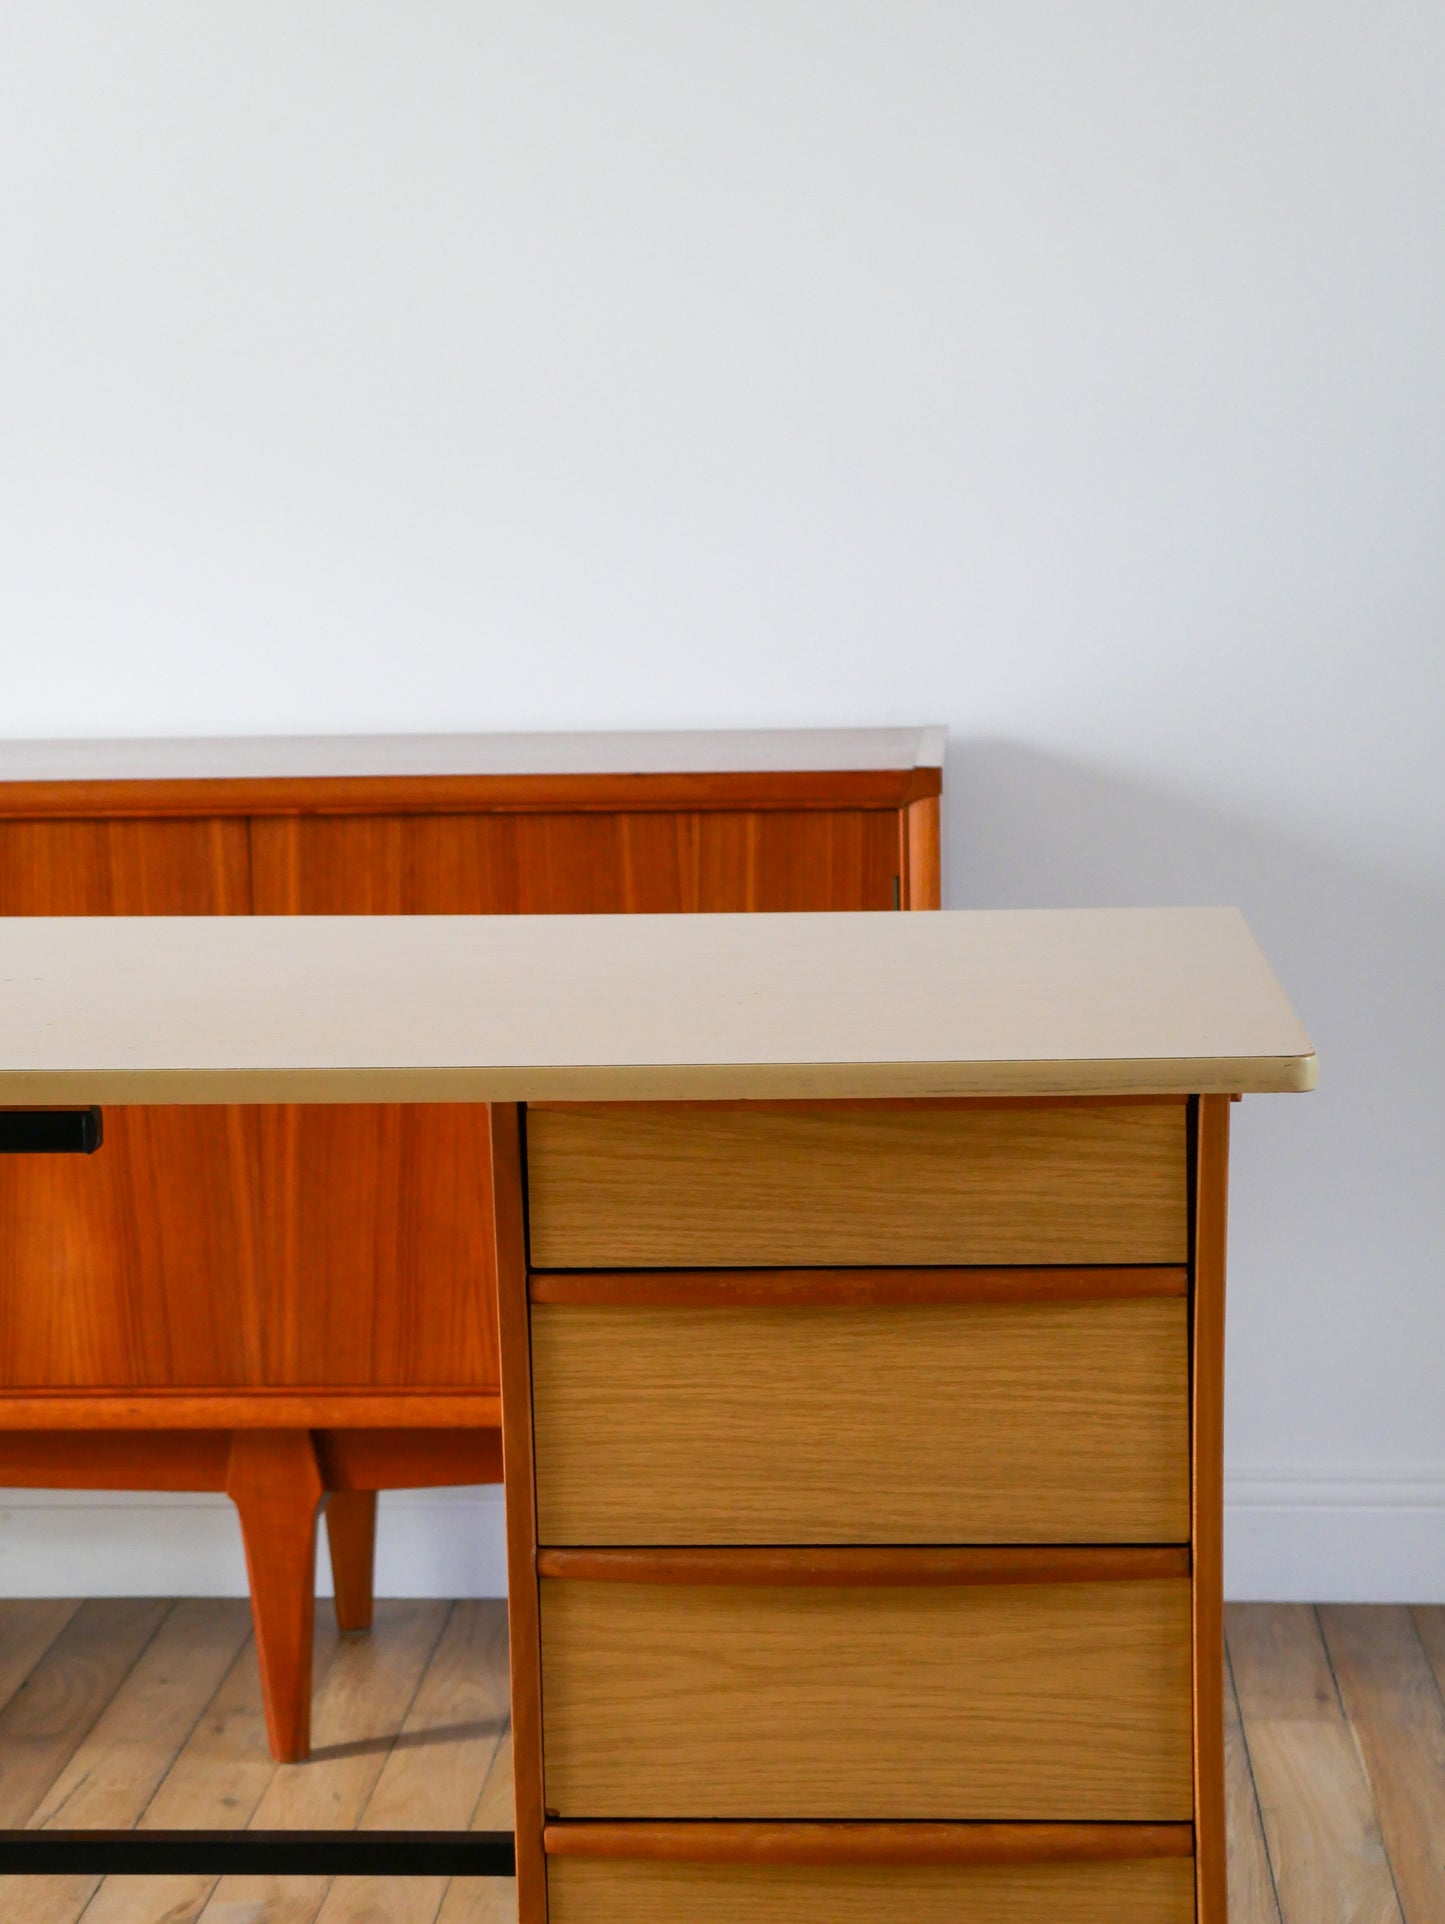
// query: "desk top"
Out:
[604,1008]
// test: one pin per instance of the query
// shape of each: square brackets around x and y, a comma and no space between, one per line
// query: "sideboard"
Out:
[317,1282]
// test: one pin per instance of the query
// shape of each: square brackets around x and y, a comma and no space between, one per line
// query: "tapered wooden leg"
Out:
[351,1534]
[275,1484]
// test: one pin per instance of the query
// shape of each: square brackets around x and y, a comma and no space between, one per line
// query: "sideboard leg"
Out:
[351,1536]
[275,1484]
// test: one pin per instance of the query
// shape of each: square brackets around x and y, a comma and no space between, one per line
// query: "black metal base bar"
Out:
[274,1853]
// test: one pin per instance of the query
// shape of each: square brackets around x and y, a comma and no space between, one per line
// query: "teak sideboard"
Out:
[305,1295]
[861,1366]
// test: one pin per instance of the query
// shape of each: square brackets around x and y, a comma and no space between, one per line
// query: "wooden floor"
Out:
[122,1714]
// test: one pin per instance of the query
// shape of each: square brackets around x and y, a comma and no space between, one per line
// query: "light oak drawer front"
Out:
[932,1423]
[591,1891]
[1016,1702]
[678,1185]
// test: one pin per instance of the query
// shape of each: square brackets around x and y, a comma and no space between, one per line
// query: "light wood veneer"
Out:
[601,1891]
[875,1423]
[1034,1701]
[684,1185]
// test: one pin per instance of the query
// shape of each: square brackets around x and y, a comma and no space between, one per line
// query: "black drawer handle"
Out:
[50,1132]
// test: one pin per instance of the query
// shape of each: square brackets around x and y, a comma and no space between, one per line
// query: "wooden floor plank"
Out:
[220,1776]
[113,1772]
[357,1714]
[1430,1628]
[1324,1842]
[487,1900]
[461,1708]
[51,1714]
[31,1625]
[1396,1711]
[1252,1898]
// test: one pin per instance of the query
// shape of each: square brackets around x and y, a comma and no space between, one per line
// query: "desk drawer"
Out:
[686,1185]
[586,1890]
[857,1684]
[883,1407]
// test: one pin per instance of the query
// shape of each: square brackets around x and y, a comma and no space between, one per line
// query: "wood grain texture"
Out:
[274,1481]
[599,1891]
[216,1248]
[922,1843]
[1430,1628]
[856,1568]
[1319,1818]
[351,1543]
[459,1713]
[608,862]
[83,1667]
[412,1459]
[360,1709]
[1044,1423]
[31,1626]
[508,1178]
[263,1409]
[923,870]
[674,1187]
[1210,1122]
[225,1767]
[1251,1881]
[1395,1708]
[850,1288]
[102,1460]
[1063,1702]
[111,1776]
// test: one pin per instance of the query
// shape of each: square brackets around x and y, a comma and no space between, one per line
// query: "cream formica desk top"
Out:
[637,1007]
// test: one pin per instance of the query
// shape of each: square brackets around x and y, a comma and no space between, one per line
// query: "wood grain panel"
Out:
[223,1248]
[101,867]
[817,1844]
[895,1567]
[1210,1127]
[134,1266]
[669,1185]
[612,863]
[1067,1702]
[1040,1423]
[601,1891]
[375,1233]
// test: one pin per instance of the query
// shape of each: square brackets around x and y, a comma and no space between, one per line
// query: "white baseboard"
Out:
[62,1543]
[1306,1538]
[1288,1538]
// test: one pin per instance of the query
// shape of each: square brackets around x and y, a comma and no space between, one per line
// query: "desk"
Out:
[326,1269]
[894,1577]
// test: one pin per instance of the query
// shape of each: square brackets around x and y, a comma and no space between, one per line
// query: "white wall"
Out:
[1067,372]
